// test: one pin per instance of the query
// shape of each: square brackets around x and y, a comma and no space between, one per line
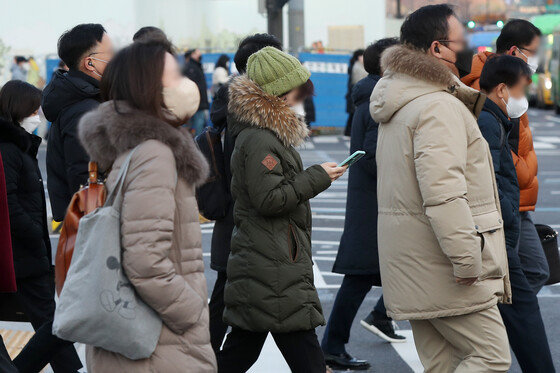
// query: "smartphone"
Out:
[352,159]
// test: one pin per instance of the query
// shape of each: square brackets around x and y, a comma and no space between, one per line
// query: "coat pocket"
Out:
[293,243]
[489,227]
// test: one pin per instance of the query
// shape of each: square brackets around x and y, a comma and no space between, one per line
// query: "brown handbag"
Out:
[84,201]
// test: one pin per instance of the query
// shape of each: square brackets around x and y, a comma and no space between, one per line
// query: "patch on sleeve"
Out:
[269,162]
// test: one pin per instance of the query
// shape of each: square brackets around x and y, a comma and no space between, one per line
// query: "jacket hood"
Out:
[252,106]
[114,128]
[478,62]
[409,74]
[361,92]
[67,88]
[15,134]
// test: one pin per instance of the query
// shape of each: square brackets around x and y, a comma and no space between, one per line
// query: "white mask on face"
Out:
[31,123]
[299,109]
[532,62]
[516,107]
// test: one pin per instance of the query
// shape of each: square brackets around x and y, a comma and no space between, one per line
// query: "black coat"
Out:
[357,254]
[193,70]
[495,128]
[223,228]
[68,96]
[26,201]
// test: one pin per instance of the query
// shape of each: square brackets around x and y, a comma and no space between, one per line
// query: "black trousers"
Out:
[36,297]
[300,349]
[218,327]
[523,322]
[346,304]
[6,365]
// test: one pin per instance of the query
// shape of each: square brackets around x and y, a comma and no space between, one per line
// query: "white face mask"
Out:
[532,62]
[31,123]
[183,99]
[299,109]
[516,107]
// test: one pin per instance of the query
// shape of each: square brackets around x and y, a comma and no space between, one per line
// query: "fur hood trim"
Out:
[249,104]
[114,128]
[405,60]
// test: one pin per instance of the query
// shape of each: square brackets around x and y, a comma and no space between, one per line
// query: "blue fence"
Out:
[329,75]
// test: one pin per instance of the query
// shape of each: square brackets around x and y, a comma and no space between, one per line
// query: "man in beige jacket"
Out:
[441,241]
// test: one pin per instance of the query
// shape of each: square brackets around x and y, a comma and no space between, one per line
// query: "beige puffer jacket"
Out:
[439,210]
[161,237]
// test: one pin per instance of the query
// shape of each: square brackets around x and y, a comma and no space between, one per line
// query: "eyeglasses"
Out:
[532,51]
[462,42]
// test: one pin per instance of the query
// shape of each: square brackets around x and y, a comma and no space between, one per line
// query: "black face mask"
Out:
[463,61]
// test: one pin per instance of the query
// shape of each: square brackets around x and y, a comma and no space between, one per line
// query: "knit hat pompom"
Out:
[276,72]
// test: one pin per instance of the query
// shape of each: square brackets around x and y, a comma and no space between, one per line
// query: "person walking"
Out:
[520,38]
[32,258]
[270,287]
[220,76]
[223,228]
[85,49]
[504,79]
[441,242]
[194,71]
[161,240]
[357,257]
[356,72]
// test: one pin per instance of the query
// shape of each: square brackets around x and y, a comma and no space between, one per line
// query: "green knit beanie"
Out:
[276,72]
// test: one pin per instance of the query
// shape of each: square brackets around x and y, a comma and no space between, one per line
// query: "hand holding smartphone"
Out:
[355,157]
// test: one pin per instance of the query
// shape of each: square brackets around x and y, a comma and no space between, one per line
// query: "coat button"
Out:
[500,221]
[476,227]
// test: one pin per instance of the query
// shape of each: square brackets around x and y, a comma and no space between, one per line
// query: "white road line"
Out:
[543,145]
[549,139]
[327,252]
[331,274]
[325,258]
[327,195]
[326,140]
[407,351]
[329,243]
[553,118]
[329,217]
[270,359]
[327,229]
[330,209]
[328,200]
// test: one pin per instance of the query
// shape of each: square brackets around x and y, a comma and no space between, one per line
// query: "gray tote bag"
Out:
[98,305]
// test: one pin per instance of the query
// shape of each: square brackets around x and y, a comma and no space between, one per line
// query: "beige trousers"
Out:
[471,343]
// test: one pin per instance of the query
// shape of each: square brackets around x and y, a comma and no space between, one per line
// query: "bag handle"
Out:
[116,194]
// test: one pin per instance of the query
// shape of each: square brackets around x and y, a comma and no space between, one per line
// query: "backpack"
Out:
[213,196]
[84,201]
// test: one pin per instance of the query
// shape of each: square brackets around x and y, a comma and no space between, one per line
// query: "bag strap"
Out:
[115,196]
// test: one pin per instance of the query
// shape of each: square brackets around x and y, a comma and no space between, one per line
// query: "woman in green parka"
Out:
[270,274]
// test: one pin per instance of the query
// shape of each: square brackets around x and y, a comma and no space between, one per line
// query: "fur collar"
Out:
[249,104]
[107,132]
[405,60]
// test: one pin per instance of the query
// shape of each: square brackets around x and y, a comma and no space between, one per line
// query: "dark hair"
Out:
[74,44]
[20,59]
[372,54]
[516,32]
[18,100]
[304,91]
[222,61]
[503,69]
[151,33]
[252,44]
[427,24]
[357,53]
[188,53]
[134,75]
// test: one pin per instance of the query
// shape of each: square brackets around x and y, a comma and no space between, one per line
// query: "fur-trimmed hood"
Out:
[410,73]
[249,105]
[106,133]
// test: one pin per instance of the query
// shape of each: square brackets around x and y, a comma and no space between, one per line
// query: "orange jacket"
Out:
[525,159]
